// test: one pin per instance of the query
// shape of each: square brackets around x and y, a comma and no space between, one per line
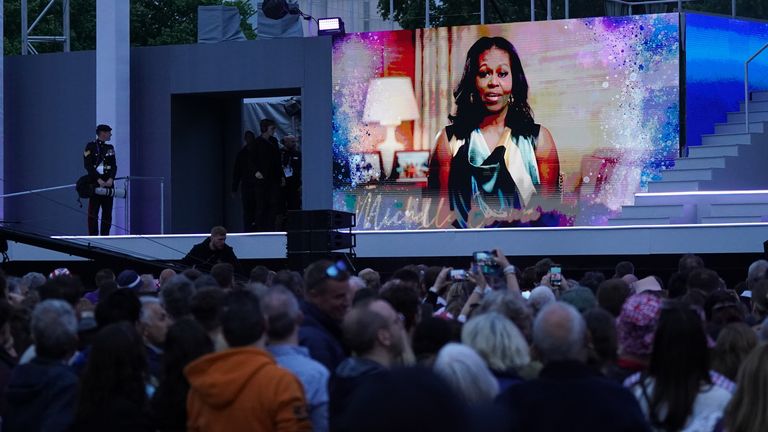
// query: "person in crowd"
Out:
[8,356]
[372,278]
[405,300]
[492,135]
[292,281]
[540,296]
[512,306]
[700,284]
[678,391]
[432,334]
[42,394]
[121,305]
[604,345]
[175,296]
[33,280]
[500,344]
[129,279]
[258,168]
[185,342]
[592,280]
[224,274]
[242,388]
[283,315]
[568,394]
[114,389]
[376,335]
[290,156]
[721,308]
[611,295]
[466,372]
[148,285]
[734,343]
[759,298]
[677,285]
[744,412]
[635,329]
[101,165]
[154,327]
[409,400]
[622,269]
[261,274]
[206,305]
[211,251]
[102,276]
[326,303]
[582,298]
[165,276]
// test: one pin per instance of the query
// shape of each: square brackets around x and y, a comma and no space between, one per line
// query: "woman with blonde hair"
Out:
[746,411]
[500,344]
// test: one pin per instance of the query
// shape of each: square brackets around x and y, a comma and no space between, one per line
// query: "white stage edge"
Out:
[613,240]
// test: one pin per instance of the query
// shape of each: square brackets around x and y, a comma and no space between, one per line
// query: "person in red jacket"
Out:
[242,388]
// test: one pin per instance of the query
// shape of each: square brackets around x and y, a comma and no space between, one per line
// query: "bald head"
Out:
[560,334]
[757,270]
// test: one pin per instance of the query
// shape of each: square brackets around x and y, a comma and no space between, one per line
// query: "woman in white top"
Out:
[493,156]
[677,392]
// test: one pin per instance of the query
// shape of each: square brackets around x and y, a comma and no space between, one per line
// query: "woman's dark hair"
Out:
[679,366]
[117,367]
[185,342]
[469,109]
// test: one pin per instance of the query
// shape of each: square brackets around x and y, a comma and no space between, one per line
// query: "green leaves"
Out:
[153,22]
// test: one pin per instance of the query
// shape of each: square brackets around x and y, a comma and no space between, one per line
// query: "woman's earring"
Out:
[472,98]
[511,100]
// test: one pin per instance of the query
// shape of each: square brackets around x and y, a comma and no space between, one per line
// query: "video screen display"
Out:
[550,124]
[716,49]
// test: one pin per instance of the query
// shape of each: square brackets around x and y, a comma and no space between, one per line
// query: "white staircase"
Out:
[725,180]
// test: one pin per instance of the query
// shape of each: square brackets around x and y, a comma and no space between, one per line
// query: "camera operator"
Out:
[101,164]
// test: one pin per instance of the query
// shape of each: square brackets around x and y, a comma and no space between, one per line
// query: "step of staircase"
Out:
[714,150]
[753,116]
[739,127]
[737,210]
[759,96]
[731,219]
[699,198]
[638,221]
[651,211]
[731,138]
[673,186]
[686,175]
[700,163]
[755,106]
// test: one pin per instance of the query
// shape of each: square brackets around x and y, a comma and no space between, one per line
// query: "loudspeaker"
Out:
[319,241]
[311,220]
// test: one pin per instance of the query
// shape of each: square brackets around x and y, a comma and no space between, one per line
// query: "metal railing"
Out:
[127,181]
[650,2]
[746,85]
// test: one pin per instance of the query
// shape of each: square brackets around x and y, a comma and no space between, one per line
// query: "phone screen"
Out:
[458,275]
[556,276]
[486,262]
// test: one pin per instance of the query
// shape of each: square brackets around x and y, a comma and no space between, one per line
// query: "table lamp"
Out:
[389,102]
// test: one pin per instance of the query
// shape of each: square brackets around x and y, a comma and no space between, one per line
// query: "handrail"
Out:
[126,178]
[746,84]
[650,2]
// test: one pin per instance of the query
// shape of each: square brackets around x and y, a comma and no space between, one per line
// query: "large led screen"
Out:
[716,49]
[552,123]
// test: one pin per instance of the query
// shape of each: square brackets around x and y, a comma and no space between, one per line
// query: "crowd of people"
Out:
[495,348]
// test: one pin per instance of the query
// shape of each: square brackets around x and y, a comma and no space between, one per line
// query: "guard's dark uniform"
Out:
[100,162]
[292,169]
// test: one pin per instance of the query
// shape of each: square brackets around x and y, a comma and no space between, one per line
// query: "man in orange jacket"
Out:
[242,388]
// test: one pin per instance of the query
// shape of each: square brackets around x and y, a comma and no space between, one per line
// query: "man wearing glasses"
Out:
[328,298]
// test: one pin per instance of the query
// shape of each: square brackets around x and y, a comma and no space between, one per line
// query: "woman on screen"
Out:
[493,155]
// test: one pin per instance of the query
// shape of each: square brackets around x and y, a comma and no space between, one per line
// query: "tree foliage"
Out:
[410,13]
[153,22]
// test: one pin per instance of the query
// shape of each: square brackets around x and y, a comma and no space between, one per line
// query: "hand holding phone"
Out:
[486,262]
[556,276]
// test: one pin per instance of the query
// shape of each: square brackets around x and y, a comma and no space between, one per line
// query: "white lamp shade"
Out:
[390,101]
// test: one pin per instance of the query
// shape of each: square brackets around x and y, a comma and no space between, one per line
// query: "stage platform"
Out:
[743,238]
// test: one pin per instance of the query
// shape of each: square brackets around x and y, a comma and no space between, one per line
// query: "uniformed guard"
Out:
[101,164]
